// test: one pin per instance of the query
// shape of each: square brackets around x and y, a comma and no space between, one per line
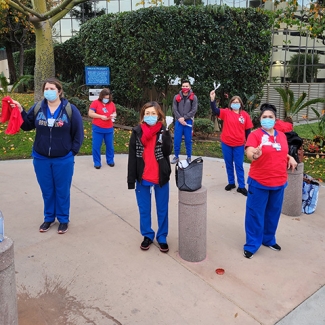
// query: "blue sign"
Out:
[98,76]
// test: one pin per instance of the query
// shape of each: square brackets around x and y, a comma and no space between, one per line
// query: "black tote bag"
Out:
[189,178]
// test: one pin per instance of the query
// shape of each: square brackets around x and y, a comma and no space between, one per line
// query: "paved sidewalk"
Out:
[97,274]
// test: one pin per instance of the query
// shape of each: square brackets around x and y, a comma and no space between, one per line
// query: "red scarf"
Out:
[149,131]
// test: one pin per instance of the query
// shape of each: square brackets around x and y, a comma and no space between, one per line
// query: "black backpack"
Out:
[294,143]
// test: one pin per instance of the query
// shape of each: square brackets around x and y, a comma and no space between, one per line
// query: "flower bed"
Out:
[314,147]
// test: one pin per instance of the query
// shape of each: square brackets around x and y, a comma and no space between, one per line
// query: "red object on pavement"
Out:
[220,271]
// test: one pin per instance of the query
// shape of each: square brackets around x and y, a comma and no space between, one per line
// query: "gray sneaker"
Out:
[175,160]
[188,159]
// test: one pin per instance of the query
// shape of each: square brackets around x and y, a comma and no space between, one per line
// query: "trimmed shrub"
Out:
[126,116]
[203,126]
[223,44]
[82,105]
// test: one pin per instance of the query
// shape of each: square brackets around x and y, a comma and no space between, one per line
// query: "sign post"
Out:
[96,76]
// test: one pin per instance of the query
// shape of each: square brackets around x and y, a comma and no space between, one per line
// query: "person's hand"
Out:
[16,104]
[292,164]
[182,121]
[212,95]
[104,118]
[257,153]
[169,121]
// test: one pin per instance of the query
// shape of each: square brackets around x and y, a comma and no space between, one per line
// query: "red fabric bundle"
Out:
[11,114]
[283,126]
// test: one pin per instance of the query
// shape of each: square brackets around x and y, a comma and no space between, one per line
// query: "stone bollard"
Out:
[192,224]
[8,294]
[292,202]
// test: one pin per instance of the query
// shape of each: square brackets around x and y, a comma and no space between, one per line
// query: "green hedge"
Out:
[68,60]
[148,47]
[203,126]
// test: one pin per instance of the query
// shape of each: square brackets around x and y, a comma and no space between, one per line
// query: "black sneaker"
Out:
[274,247]
[97,167]
[111,165]
[242,190]
[63,228]
[163,247]
[45,226]
[230,186]
[145,245]
[248,254]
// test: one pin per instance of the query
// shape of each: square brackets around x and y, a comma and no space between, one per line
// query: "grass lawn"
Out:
[19,146]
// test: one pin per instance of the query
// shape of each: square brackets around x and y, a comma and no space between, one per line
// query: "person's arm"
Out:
[93,114]
[77,130]
[132,166]
[213,105]
[193,110]
[291,162]
[215,109]
[247,133]
[175,109]
[28,117]
[167,145]
[253,153]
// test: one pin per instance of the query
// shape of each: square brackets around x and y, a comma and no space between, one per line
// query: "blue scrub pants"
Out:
[143,195]
[263,210]
[181,130]
[54,176]
[98,137]
[234,156]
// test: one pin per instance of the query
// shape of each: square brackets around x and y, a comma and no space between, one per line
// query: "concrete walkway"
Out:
[97,274]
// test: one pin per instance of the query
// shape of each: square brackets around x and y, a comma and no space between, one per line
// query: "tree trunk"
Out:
[11,64]
[44,57]
[21,60]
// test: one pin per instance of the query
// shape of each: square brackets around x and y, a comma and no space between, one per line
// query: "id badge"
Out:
[276,146]
[50,122]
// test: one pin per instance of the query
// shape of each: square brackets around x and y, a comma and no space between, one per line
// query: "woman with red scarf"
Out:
[149,167]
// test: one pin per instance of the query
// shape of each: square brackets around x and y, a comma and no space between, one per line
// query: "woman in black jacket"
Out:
[149,167]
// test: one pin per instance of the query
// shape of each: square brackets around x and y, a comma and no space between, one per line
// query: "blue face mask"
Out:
[150,120]
[105,100]
[267,123]
[235,106]
[50,95]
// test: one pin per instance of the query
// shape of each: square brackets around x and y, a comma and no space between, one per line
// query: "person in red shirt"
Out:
[236,126]
[103,113]
[149,167]
[267,148]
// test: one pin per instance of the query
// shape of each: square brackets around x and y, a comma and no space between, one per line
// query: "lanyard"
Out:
[274,136]
[56,112]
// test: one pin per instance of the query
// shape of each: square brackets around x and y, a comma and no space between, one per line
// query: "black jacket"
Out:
[136,163]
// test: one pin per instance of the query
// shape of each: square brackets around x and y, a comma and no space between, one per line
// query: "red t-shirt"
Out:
[234,126]
[270,169]
[103,109]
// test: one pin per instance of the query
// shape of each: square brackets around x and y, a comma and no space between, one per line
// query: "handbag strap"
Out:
[197,160]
